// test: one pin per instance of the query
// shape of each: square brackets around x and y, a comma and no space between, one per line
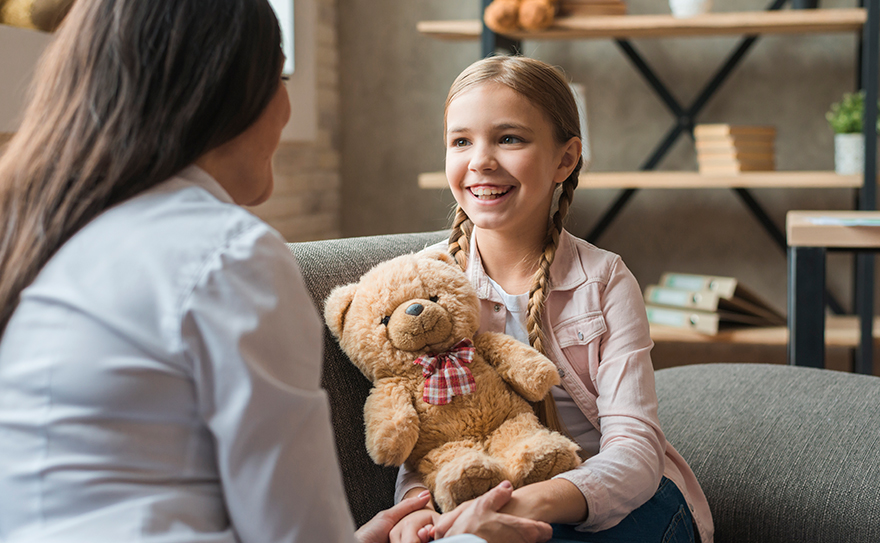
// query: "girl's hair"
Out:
[129,93]
[547,89]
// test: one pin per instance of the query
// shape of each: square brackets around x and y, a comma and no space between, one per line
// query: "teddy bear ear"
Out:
[442,256]
[336,306]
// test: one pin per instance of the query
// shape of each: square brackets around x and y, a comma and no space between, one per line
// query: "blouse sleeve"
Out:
[254,340]
[627,471]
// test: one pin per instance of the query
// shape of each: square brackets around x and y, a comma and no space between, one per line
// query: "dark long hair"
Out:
[129,93]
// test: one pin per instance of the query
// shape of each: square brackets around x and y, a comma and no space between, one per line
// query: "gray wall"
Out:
[394,80]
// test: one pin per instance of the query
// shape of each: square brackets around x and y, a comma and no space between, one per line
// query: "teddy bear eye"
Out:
[385,320]
[434,299]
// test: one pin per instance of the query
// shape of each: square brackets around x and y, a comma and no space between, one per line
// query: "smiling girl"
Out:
[513,155]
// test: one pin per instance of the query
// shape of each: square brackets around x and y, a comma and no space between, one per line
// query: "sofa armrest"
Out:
[783,453]
[324,265]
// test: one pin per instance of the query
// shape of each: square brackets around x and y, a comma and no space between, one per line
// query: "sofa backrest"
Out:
[326,264]
[784,454]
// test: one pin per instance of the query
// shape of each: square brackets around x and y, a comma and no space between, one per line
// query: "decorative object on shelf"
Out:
[589,8]
[503,16]
[706,304]
[846,119]
[730,149]
[689,8]
[804,4]
[44,15]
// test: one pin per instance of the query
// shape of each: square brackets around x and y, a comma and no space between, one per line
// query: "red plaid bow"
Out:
[444,374]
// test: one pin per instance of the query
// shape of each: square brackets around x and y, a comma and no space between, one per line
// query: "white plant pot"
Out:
[849,153]
[689,8]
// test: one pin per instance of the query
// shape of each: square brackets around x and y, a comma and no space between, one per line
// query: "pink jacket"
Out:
[597,334]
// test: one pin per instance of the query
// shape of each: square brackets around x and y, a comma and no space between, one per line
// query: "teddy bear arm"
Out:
[391,421]
[527,371]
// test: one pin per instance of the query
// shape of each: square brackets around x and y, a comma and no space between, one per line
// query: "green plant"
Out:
[845,117]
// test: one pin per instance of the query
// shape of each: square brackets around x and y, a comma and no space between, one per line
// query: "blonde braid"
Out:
[546,408]
[459,238]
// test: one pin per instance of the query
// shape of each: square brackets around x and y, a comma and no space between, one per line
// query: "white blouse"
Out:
[160,381]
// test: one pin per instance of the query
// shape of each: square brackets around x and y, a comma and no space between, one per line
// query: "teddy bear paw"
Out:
[456,485]
[547,463]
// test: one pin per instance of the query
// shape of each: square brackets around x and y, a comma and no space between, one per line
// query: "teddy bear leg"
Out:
[459,471]
[531,452]
[536,14]
[502,16]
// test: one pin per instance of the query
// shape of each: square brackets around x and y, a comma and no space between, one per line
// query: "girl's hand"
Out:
[415,527]
[377,530]
[480,517]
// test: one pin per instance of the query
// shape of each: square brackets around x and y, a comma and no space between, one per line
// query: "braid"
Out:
[459,237]
[546,408]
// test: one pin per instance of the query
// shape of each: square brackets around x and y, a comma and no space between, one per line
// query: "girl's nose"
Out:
[482,160]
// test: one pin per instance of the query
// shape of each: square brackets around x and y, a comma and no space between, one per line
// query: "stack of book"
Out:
[706,304]
[578,8]
[726,148]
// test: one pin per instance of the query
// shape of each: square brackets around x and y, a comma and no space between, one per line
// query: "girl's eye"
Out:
[460,142]
[434,299]
[386,320]
[510,140]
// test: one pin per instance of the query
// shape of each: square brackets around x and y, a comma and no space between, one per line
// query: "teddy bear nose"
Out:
[415,310]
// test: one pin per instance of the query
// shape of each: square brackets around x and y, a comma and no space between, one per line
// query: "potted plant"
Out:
[845,118]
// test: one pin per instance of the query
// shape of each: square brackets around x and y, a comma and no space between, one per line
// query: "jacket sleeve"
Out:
[627,470]
[255,343]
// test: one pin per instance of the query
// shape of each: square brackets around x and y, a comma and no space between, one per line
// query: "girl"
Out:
[154,333]
[513,153]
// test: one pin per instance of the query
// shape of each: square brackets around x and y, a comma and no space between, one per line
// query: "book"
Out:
[714,155]
[704,322]
[736,297]
[735,166]
[741,143]
[712,301]
[726,130]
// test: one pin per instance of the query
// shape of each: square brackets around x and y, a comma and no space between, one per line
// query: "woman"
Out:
[159,363]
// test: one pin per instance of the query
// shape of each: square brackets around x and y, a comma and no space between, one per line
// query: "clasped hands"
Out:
[480,517]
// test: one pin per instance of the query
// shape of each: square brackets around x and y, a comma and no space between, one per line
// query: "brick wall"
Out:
[305,203]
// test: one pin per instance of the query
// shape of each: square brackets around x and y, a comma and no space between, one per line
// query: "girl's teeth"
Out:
[488,193]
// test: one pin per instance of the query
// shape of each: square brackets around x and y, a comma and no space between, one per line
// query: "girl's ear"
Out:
[336,307]
[571,153]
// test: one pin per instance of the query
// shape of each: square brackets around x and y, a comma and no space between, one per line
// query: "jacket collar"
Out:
[566,273]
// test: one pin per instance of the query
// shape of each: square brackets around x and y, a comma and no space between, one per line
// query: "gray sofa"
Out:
[784,454]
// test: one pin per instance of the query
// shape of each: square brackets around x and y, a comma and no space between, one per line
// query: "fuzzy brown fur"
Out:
[466,447]
[511,15]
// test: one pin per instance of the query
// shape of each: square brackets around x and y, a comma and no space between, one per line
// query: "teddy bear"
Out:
[451,404]
[43,15]
[503,16]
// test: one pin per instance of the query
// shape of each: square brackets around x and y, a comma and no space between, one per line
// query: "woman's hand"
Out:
[480,517]
[415,527]
[377,530]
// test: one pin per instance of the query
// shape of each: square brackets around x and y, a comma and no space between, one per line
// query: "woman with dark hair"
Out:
[160,357]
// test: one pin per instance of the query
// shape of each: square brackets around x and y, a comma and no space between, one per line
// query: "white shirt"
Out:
[160,381]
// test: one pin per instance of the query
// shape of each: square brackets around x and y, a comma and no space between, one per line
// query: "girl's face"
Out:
[502,160]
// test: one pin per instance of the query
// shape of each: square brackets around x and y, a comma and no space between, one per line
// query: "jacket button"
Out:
[497,308]
[561,372]
[581,336]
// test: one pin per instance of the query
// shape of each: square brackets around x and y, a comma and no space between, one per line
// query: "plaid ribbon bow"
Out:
[445,376]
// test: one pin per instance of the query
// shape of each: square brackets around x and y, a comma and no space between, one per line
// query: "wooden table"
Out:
[810,234]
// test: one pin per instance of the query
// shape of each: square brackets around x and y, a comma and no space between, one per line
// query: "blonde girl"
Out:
[513,155]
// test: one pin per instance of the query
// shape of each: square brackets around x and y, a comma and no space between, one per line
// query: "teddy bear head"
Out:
[401,309]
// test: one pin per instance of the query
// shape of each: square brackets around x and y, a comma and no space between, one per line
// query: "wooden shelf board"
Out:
[787,21]
[802,231]
[692,180]
[840,331]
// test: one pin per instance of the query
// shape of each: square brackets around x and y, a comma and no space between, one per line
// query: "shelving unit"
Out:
[750,25]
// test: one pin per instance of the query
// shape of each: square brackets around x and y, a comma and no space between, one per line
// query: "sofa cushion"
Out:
[784,454]
[326,264]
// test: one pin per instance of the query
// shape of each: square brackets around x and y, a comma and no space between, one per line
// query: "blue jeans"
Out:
[665,518]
